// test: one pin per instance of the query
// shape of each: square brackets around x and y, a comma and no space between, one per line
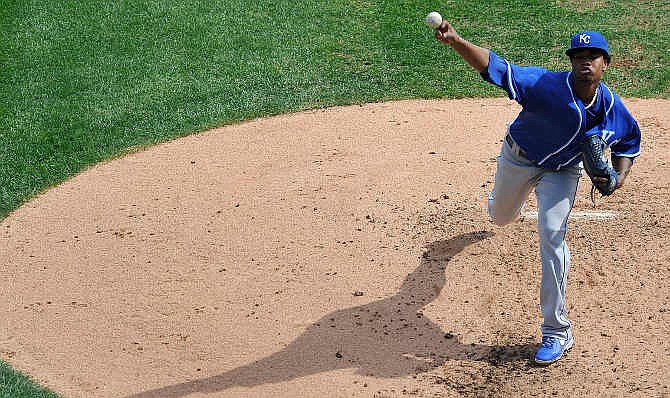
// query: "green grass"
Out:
[15,385]
[85,81]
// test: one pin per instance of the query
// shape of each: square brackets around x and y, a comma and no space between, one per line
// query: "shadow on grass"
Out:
[386,338]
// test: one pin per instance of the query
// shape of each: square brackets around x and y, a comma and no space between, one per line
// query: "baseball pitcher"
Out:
[568,120]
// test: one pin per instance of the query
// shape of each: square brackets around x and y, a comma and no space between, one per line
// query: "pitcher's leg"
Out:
[555,196]
[515,178]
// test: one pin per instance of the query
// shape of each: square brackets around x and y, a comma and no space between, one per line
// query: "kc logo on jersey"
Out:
[607,134]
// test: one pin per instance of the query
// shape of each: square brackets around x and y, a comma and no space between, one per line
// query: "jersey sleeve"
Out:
[514,79]
[629,145]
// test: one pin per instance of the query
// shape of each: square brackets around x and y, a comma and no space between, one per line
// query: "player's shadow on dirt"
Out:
[385,338]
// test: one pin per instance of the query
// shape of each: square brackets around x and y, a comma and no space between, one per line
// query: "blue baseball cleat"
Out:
[552,349]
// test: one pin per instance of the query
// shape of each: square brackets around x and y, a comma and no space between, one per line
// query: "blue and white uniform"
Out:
[554,121]
[541,151]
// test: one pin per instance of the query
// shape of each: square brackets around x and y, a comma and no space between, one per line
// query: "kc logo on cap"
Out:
[584,38]
[588,39]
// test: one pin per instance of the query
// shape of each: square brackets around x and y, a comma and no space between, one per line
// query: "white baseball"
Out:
[433,20]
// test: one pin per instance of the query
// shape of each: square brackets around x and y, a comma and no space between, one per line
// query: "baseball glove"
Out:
[597,166]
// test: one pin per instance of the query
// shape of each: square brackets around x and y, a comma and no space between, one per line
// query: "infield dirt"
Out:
[344,252]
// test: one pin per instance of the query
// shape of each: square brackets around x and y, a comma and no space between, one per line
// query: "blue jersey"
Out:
[554,121]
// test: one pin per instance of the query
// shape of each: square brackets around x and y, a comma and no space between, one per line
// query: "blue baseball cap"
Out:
[588,39]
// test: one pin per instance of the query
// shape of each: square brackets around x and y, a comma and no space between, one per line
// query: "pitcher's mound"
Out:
[332,253]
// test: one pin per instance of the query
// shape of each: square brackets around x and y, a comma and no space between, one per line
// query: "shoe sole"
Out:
[567,347]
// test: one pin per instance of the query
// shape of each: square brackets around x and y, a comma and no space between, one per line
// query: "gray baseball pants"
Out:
[555,191]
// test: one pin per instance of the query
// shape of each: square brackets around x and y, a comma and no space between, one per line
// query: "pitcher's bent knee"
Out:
[501,218]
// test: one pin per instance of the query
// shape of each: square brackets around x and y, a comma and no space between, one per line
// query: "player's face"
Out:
[588,65]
